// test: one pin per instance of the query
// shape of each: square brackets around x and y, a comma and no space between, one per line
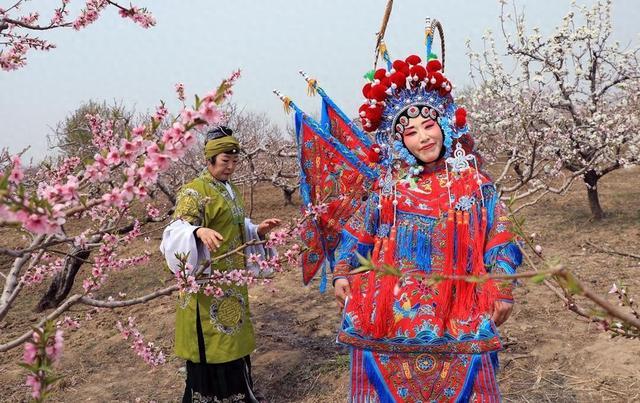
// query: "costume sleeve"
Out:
[502,254]
[189,206]
[250,230]
[178,238]
[357,237]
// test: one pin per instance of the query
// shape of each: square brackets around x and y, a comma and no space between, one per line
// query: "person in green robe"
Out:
[214,333]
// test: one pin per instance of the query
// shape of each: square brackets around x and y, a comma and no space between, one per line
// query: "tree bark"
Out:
[591,179]
[164,188]
[63,281]
[288,196]
[251,194]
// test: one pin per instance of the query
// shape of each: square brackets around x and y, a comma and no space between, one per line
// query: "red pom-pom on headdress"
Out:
[366,90]
[380,74]
[378,92]
[399,79]
[362,111]
[413,60]
[434,65]
[445,87]
[374,113]
[435,81]
[461,117]
[401,66]
[374,153]
[418,73]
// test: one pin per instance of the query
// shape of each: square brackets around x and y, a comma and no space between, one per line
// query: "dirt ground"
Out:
[551,354]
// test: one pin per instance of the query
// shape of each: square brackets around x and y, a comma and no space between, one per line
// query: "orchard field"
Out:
[551,354]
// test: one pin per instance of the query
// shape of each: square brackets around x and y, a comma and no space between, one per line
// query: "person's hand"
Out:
[501,312]
[210,238]
[267,225]
[342,291]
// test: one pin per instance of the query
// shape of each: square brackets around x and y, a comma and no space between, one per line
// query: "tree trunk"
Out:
[591,180]
[63,281]
[288,196]
[251,192]
[164,188]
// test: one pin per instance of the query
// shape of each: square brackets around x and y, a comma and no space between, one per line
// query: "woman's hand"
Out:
[501,312]
[212,239]
[342,291]
[267,225]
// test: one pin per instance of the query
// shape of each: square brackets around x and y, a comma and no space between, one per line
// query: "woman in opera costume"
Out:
[428,210]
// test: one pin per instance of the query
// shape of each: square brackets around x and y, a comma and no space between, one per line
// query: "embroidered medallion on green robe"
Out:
[226,323]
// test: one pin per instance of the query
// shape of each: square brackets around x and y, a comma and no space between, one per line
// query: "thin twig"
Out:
[61,309]
[611,251]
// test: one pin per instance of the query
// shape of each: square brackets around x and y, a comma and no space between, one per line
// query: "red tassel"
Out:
[461,238]
[477,252]
[390,247]
[384,298]
[367,303]
[386,213]
[383,250]
[465,291]
[445,288]
[366,306]
[356,291]
[489,289]
[451,224]
[383,320]
[479,244]
[375,256]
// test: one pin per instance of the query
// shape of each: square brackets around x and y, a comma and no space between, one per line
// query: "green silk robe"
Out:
[226,323]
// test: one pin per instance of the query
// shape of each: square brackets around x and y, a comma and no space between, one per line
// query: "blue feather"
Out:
[376,379]
[494,360]
[323,278]
[428,45]
[472,372]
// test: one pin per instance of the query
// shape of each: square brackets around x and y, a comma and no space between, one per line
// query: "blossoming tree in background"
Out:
[561,106]
[268,156]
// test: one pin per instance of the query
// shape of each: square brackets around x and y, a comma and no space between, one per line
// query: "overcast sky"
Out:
[199,42]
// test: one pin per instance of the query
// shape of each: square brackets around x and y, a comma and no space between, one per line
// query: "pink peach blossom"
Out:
[210,113]
[30,353]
